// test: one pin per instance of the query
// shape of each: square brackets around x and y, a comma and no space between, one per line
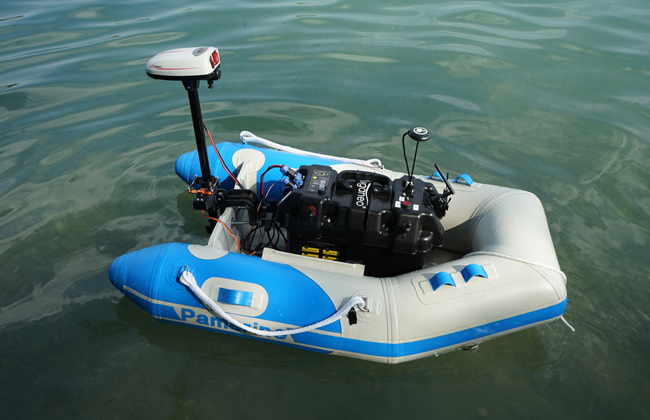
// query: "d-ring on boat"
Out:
[343,256]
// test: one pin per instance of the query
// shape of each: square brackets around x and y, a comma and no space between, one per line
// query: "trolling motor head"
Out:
[190,66]
[186,64]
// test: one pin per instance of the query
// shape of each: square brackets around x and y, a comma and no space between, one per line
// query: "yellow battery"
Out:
[326,253]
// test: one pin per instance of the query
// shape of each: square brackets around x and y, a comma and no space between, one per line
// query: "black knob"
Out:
[419,134]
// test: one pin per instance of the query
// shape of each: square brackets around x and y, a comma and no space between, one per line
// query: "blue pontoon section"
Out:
[406,349]
[149,277]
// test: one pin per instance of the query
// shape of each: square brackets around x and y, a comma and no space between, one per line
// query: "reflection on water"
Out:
[147,39]
[550,98]
[470,106]
[57,294]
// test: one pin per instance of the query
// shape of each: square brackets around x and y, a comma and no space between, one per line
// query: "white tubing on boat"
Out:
[513,258]
[247,136]
[188,280]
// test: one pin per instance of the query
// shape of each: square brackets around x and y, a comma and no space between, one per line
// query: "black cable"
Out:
[405,160]
[281,233]
[410,171]
[413,166]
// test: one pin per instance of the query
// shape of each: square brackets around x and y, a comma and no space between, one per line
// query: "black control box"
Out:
[363,217]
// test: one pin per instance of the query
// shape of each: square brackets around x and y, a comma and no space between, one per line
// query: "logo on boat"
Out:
[189,316]
[362,193]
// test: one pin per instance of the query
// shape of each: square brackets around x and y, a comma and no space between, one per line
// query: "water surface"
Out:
[551,97]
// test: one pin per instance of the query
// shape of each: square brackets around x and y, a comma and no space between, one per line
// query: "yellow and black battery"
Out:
[322,253]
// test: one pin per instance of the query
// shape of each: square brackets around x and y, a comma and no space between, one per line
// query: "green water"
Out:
[551,97]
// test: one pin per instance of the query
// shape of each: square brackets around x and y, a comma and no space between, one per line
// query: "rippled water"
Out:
[551,97]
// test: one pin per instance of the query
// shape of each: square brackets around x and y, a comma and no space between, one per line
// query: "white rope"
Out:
[513,258]
[188,280]
[247,136]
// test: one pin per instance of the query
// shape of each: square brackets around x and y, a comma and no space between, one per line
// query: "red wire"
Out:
[220,159]
[226,226]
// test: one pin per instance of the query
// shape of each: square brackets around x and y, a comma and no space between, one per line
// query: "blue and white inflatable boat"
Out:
[343,256]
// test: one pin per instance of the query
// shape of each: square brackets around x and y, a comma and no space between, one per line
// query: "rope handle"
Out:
[190,282]
[247,136]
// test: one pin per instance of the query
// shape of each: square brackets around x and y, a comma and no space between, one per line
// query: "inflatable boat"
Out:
[343,256]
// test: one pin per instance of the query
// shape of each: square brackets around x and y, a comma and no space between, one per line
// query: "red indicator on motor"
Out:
[214,59]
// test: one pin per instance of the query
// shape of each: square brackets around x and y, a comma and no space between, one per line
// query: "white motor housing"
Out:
[201,63]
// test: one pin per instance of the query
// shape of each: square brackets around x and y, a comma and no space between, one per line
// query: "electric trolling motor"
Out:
[190,66]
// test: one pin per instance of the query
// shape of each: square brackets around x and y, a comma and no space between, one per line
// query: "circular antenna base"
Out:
[419,134]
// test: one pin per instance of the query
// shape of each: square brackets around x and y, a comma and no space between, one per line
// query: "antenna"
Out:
[418,134]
